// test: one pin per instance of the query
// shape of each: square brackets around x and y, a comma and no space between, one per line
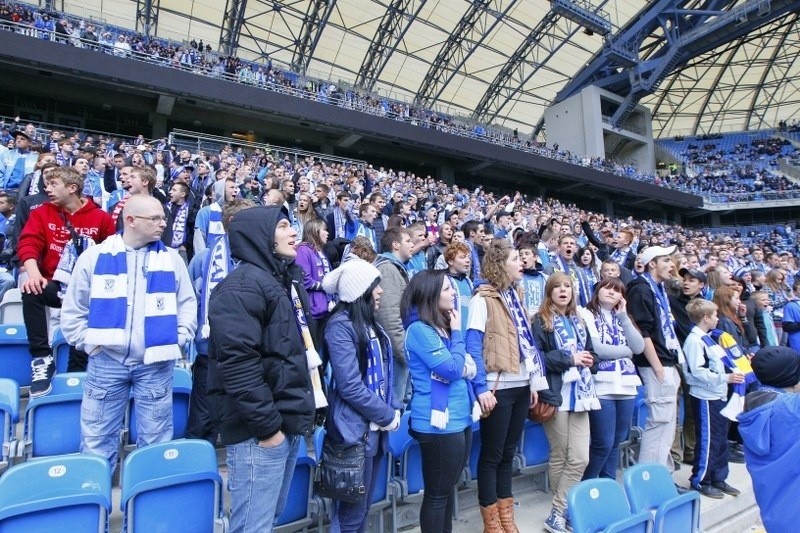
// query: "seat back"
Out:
[60,350]
[595,504]
[650,488]
[171,486]
[534,446]
[9,407]
[11,307]
[647,486]
[301,490]
[15,360]
[181,395]
[53,422]
[52,494]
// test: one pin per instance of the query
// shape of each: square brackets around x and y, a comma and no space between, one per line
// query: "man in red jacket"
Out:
[65,217]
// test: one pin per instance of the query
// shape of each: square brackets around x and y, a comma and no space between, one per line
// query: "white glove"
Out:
[470,368]
[394,424]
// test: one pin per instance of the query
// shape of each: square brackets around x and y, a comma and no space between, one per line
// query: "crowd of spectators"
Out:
[725,175]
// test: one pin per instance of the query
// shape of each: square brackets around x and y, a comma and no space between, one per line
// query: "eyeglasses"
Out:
[154,218]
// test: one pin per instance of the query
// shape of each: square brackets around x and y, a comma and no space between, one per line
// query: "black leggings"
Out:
[443,457]
[500,435]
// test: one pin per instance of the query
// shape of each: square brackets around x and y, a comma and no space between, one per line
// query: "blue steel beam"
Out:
[399,16]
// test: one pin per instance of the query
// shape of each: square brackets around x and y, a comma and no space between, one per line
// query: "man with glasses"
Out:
[66,219]
[131,306]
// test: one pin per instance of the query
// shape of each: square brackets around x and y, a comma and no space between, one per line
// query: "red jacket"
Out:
[45,233]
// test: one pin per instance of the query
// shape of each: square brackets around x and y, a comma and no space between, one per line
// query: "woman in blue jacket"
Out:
[441,411]
[360,396]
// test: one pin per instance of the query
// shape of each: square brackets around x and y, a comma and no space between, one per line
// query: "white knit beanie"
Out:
[351,280]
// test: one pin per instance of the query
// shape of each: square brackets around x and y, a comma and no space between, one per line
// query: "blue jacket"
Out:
[428,352]
[352,406]
[771,452]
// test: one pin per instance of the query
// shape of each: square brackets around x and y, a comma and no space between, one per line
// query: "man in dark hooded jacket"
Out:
[260,391]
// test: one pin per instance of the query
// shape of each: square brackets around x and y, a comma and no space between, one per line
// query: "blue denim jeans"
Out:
[258,481]
[609,427]
[106,392]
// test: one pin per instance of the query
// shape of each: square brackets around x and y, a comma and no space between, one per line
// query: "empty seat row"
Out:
[648,502]
[52,422]
[171,486]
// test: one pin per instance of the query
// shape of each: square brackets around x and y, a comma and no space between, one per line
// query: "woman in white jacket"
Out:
[615,340]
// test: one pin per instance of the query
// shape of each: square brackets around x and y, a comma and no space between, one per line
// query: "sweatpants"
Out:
[711,442]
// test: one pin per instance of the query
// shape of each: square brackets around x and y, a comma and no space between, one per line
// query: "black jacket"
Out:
[643,310]
[682,323]
[556,361]
[258,379]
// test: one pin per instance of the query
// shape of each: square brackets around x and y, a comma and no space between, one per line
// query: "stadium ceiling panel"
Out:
[503,61]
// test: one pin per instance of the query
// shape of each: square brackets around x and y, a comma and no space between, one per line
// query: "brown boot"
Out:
[505,508]
[491,519]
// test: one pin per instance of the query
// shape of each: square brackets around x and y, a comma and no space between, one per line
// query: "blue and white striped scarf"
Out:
[215,228]
[216,266]
[577,385]
[109,301]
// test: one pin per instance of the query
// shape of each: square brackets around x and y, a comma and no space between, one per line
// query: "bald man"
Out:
[133,324]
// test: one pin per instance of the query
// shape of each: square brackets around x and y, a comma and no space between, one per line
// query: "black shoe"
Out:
[734,457]
[727,489]
[681,490]
[709,491]
[42,370]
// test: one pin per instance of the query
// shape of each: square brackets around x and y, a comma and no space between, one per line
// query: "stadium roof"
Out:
[507,59]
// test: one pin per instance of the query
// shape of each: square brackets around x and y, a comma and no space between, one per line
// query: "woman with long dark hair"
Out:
[441,410]
[588,274]
[510,372]
[570,359]
[315,264]
[360,396]
[615,340]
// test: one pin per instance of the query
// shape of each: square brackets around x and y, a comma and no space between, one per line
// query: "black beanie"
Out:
[777,366]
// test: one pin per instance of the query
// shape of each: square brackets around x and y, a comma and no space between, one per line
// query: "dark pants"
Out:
[200,425]
[609,427]
[711,442]
[34,313]
[443,458]
[500,435]
[352,517]
[78,360]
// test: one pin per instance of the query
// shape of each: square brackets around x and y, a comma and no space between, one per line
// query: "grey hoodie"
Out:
[75,309]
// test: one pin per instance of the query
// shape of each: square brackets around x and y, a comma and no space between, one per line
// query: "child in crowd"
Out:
[708,387]
[768,335]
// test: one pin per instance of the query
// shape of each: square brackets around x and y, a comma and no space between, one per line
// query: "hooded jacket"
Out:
[769,428]
[394,278]
[45,233]
[258,380]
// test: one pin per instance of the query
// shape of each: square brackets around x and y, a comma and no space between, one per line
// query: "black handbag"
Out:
[340,474]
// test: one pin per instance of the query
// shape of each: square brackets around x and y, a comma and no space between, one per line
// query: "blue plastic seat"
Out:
[298,513]
[649,487]
[60,350]
[181,394]
[171,486]
[597,505]
[53,422]
[9,406]
[65,493]
[15,359]
[406,450]
[535,448]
